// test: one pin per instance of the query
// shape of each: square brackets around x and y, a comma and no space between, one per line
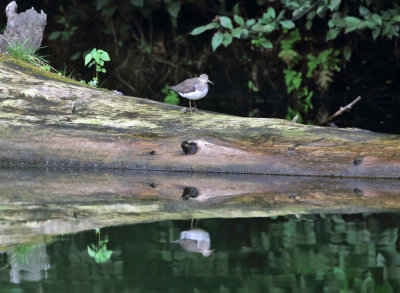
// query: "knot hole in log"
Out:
[189,192]
[189,148]
[357,161]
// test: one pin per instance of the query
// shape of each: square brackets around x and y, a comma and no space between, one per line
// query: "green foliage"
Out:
[173,8]
[320,70]
[26,54]
[322,66]
[252,87]
[341,18]
[99,251]
[171,97]
[287,52]
[97,58]
[65,20]
[292,113]
[256,30]
[254,112]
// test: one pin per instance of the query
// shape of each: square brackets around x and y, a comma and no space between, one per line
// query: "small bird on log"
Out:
[193,88]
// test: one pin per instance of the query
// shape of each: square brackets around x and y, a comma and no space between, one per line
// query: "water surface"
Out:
[303,253]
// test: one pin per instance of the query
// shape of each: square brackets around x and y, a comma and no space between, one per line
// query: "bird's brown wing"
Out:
[185,87]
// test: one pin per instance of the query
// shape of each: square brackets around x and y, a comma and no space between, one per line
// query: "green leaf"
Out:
[351,28]
[377,18]
[268,28]
[54,35]
[287,23]
[320,10]
[216,40]
[280,15]
[337,21]
[88,58]
[203,28]
[226,22]
[235,9]
[172,99]
[266,43]
[376,32]
[334,4]
[271,12]
[250,22]
[364,11]
[107,254]
[308,24]
[173,8]
[104,55]
[369,23]
[236,32]
[227,39]
[244,34]
[396,18]
[91,252]
[138,3]
[352,20]
[347,53]
[239,20]
[332,34]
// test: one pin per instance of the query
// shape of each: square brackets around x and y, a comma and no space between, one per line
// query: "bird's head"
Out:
[204,78]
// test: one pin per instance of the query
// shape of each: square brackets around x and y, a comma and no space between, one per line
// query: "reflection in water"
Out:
[28,263]
[195,240]
[312,253]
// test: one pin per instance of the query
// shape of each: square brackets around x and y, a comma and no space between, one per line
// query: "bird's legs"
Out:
[195,105]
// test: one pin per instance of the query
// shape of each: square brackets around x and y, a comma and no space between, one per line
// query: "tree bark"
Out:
[54,122]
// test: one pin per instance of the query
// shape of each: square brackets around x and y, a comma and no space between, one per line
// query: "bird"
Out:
[193,89]
[196,240]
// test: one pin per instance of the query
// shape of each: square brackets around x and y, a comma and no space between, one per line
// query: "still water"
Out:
[294,253]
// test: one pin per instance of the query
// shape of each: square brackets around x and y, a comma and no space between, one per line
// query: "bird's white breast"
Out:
[196,95]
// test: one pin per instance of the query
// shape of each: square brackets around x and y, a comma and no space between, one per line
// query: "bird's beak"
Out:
[210,81]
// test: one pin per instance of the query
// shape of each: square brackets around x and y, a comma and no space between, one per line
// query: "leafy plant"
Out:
[251,86]
[99,251]
[321,67]
[97,58]
[171,97]
[256,30]
[320,70]
[68,31]
[26,54]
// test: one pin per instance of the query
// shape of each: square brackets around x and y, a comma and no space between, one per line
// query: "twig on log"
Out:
[341,110]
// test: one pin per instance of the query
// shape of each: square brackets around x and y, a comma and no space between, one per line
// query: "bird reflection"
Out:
[195,240]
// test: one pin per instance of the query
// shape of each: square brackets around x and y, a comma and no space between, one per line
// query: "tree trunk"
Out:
[53,122]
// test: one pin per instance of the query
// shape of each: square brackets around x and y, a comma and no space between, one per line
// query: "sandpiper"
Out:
[193,88]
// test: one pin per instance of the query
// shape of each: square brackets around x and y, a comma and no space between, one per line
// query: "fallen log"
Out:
[54,122]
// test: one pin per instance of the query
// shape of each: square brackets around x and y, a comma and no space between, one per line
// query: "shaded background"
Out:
[150,46]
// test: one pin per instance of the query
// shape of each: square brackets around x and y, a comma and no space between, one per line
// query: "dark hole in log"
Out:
[358,191]
[189,148]
[189,192]
[152,153]
[357,161]
[153,185]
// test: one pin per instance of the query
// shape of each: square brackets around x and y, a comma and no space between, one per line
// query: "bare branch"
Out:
[340,111]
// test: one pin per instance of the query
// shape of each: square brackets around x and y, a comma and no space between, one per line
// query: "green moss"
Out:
[38,72]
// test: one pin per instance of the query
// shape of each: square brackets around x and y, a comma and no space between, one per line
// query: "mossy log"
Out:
[54,122]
